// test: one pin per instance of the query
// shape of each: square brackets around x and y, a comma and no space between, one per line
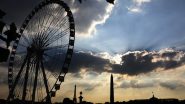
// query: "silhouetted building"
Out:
[111,90]
[4,53]
[152,100]
[80,98]
[85,102]
[67,101]
[74,98]
[2,101]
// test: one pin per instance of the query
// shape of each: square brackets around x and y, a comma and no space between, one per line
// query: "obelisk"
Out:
[74,98]
[111,90]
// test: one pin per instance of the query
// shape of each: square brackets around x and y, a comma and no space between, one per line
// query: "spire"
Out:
[74,98]
[153,94]
[111,90]
[80,98]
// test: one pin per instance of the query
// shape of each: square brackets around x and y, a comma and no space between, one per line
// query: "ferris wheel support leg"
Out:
[35,81]
[48,98]
[16,80]
[26,79]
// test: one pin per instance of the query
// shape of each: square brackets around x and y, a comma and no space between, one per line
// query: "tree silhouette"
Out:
[110,1]
[10,35]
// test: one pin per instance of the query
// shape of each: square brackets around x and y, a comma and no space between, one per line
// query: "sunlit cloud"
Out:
[134,10]
[87,17]
[136,7]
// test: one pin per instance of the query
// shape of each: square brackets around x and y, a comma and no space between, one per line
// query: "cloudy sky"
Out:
[141,42]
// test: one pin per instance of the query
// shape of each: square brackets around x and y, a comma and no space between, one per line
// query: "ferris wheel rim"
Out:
[70,48]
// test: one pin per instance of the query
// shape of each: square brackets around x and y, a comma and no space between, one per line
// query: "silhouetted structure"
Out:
[152,100]
[111,90]
[110,1]
[80,1]
[4,53]
[80,98]
[2,101]
[68,101]
[74,98]
[11,34]
[36,45]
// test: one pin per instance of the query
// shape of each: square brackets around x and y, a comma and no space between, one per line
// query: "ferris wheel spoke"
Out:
[18,89]
[47,28]
[51,74]
[43,15]
[17,78]
[39,85]
[32,29]
[26,78]
[57,37]
[45,82]
[56,47]
[57,24]
[26,40]
[59,32]
[54,31]
[40,88]
[32,78]
[41,20]
[46,24]
[28,33]
[28,92]
[35,80]
[18,61]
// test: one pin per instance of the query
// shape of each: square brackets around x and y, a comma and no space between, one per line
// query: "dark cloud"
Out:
[138,62]
[87,15]
[87,60]
[92,74]
[135,84]
[80,60]
[169,84]
[133,63]
[172,85]
[17,10]
[169,54]
[88,86]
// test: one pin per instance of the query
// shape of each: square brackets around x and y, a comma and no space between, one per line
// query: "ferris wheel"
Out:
[42,53]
